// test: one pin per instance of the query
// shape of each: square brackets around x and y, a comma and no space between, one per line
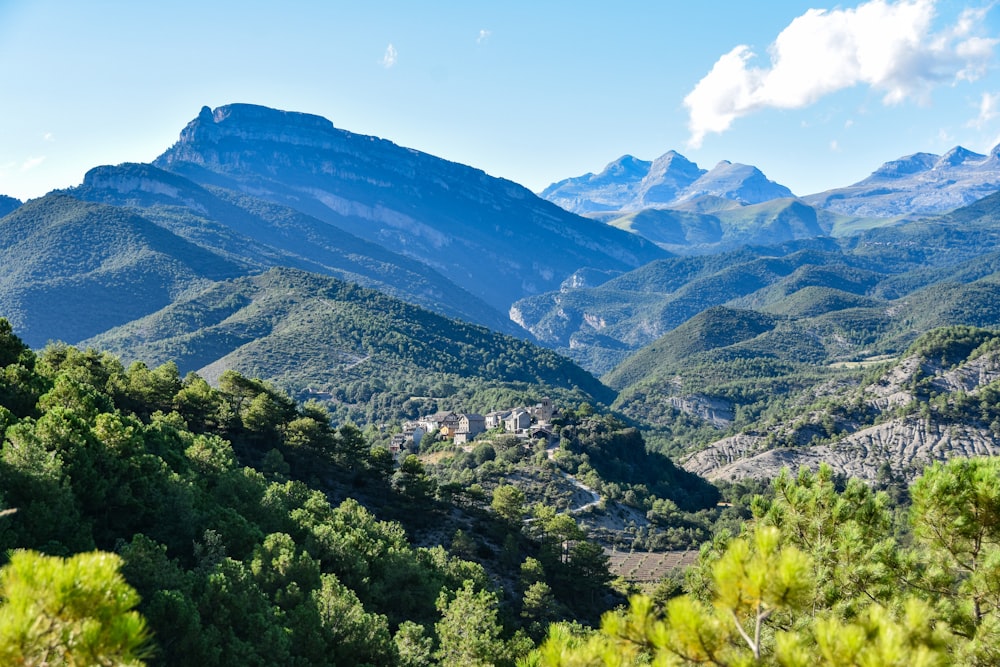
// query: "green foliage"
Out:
[950,346]
[617,453]
[235,564]
[73,284]
[469,632]
[956,515]
[508,502]
[822,576]
[368,356]
[66,612]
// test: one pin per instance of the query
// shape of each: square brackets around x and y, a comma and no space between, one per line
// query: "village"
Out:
[528,423]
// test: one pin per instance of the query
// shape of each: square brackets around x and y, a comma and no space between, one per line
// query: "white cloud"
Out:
[989,108]
[888,46]
[834,146]
[48,136]
[483,36]
[389,59]
[32,162]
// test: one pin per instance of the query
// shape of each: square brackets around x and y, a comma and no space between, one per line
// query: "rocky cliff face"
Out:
[492,237]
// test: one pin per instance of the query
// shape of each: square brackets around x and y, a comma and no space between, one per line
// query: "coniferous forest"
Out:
[153,519]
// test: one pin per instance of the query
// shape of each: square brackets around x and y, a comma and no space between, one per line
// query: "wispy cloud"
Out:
[888,46]
[989,108]
[49,137]
[32,162]
[389,59]
[483,36]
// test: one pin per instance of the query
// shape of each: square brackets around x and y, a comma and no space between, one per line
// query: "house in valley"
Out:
[434,422]
[414,432]
[517,420]
[469,426]
[397,445]
[495,419]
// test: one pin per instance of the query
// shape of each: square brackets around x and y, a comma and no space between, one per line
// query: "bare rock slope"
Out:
[906,431]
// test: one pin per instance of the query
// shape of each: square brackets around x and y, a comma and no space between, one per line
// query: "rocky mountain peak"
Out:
[921,183]
[958,156]
[905,166]
[670,180]
[625,166]
[406,201]
[247,123]
[668,176]
[739,182]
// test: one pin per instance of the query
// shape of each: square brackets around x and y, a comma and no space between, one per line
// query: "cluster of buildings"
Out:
[523,422]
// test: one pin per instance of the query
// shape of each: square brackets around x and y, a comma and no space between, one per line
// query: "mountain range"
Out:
[258,235]
[153,262]
[492,237]
[387,282]
[918,184]
[630,184]
[602,325]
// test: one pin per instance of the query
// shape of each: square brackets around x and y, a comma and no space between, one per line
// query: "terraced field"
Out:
[648,566]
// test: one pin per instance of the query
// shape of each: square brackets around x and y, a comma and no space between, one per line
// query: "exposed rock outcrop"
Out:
[898,447]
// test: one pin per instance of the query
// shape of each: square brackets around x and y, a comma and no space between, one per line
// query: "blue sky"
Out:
[815,94]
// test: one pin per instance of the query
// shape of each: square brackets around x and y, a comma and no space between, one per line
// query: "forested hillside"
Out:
[256,533]
[236,528]
[70,269]
[369,356]
[881,422]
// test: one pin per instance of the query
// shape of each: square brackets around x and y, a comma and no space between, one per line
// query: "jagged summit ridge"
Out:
[921,183]
[231,124]
[667,181]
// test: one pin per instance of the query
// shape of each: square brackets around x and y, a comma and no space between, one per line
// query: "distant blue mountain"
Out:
[630,184]
[741,183]
[600,192]
[922,183]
